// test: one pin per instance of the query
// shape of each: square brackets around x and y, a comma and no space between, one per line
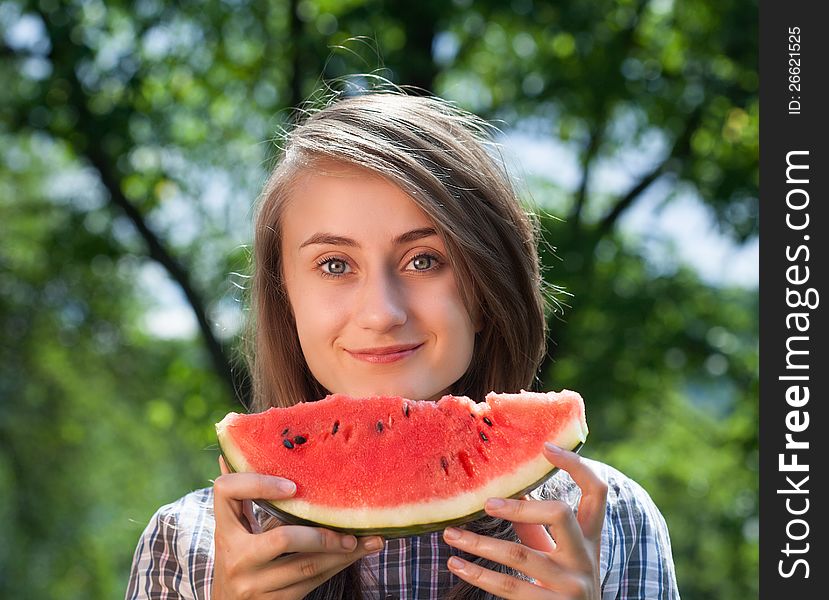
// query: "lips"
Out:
[385,354]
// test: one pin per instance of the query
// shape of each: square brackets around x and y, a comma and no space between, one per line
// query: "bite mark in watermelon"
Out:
[396,467]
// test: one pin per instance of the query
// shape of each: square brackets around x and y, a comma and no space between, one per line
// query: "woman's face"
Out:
[373,294]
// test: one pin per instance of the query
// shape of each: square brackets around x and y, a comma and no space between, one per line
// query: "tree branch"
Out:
[295,37]
[626,41]
[90,127]
[236,379]
[668,164]
[587,162]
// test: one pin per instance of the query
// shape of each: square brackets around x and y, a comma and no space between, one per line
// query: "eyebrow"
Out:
[338,240]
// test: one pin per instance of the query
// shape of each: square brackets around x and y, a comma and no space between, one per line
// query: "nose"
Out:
[381,304]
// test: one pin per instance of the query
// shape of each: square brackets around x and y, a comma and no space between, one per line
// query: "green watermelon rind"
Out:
[390,532]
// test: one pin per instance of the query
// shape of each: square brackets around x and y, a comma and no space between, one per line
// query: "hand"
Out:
[285,562]
[564,569]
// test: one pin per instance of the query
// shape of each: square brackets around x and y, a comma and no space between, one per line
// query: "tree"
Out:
[133,134]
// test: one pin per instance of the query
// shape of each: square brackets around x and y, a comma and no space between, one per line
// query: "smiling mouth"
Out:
[385,355]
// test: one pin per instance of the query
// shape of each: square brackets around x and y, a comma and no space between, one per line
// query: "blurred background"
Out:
[135,136]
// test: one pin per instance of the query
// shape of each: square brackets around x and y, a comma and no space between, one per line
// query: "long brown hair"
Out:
[447,162]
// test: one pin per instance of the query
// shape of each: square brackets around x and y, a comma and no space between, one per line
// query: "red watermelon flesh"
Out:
[394,466]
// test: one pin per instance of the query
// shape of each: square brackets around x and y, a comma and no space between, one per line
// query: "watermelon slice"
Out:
[396,467]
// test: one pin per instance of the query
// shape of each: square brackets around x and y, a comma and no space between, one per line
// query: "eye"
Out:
[425,262]
[333,267]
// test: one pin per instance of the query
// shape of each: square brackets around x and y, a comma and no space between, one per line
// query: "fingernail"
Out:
[374,544]
[286,486]
[451,533]
[495,504]
[349,542]
[456,563]
[552,448]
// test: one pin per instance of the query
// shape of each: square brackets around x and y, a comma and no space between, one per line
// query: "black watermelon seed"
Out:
[284,431]
[472,415]
[444,464]
[483,436]
[300,439]
[487,421]
[406,409]
[335,428]
[379,426]
[287,444]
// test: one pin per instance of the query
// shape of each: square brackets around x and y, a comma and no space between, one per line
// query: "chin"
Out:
[410,392]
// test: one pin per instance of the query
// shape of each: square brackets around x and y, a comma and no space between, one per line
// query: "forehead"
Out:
[347,200]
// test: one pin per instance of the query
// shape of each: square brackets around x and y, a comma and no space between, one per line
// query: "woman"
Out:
[391,256]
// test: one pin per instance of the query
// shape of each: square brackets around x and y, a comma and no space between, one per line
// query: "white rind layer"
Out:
[230,450]
[406,515]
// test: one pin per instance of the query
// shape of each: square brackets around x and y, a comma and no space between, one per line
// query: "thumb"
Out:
[253,523]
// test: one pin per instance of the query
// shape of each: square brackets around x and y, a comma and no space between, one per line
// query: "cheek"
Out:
[450,321]
[317,312]
[317,324]
[318,318]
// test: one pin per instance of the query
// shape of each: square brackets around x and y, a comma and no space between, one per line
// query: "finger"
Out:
[556,514]
[593,489]
[229,490]
[299,538]
[502,586]
[223,465]
[298,568]
[305,587]
[518,556]
[535,536]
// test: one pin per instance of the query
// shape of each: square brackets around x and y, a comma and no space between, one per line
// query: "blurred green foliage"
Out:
[135,134]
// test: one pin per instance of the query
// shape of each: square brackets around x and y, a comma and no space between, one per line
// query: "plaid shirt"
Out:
[174,557]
